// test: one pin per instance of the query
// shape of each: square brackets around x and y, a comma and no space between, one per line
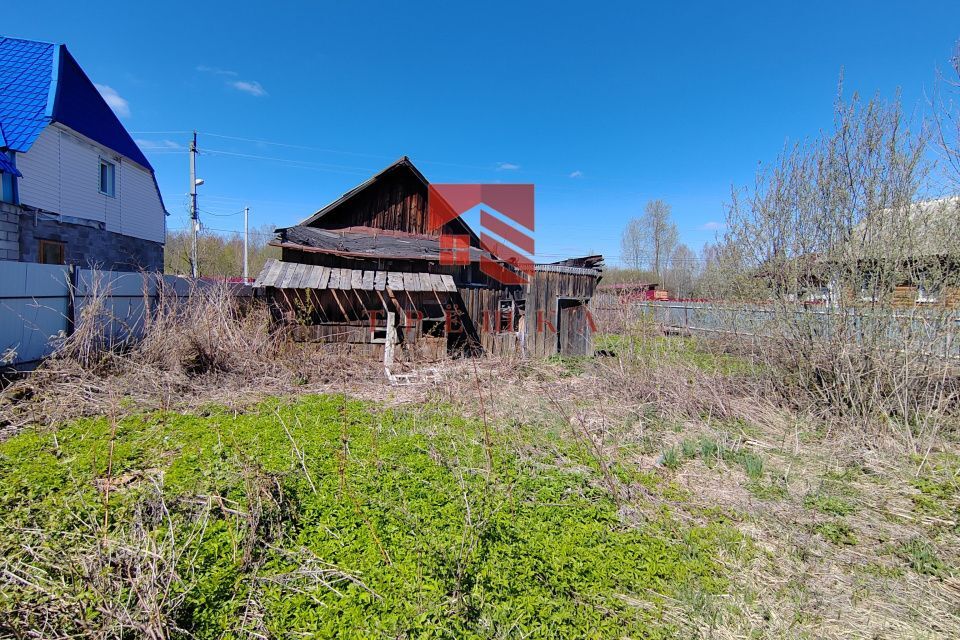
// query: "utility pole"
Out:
[246,241]
[194,214]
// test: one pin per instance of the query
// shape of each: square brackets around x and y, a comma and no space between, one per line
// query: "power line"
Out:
[221,215]
[303,164]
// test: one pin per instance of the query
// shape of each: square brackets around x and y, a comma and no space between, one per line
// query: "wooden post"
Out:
[391,339]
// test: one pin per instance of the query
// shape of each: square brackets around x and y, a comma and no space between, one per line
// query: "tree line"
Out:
[219,255]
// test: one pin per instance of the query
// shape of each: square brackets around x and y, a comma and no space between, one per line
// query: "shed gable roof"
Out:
[403,164]
[400,169]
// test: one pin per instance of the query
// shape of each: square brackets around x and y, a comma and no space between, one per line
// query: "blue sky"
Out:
[601,105]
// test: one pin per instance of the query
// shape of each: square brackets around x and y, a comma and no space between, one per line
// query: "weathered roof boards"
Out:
[293,275]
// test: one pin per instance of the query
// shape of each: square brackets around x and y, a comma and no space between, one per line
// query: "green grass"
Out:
[939,488]
[922,557]
[399,501]
[837,532]
[672,350]
[828,504]
[760,483]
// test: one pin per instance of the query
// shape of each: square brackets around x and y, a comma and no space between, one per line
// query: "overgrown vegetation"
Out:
[323,516]
[210,479]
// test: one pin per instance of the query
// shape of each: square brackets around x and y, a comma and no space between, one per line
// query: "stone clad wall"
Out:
[86,243]
[9,231]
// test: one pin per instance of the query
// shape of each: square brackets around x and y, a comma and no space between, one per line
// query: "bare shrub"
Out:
[203,346]
[208,331]
[848,265]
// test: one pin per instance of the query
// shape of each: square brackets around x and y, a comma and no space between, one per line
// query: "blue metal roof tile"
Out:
[26,71]
[7,166]
[41,82]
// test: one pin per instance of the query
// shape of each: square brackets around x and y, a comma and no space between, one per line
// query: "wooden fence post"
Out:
[71,299]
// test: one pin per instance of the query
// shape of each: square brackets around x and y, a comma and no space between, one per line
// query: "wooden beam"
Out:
[339,304]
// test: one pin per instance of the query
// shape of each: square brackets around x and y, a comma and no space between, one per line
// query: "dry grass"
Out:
[202,349]
[829,514]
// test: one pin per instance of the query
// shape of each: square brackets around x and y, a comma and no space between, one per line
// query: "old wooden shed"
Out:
[368,265]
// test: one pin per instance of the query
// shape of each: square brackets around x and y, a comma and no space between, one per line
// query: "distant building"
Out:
[633,291]
[74,186]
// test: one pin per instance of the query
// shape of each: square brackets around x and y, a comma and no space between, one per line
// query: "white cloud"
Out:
[576,174]
[507,166]
[148,145]
[118,103]
[252,87]
[217,71]
[712,226]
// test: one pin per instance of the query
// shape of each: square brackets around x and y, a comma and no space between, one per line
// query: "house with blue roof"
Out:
[74,186]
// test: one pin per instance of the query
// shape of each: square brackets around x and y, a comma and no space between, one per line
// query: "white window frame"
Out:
[112,193]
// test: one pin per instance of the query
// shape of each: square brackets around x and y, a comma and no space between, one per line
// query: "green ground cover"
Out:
[334,518]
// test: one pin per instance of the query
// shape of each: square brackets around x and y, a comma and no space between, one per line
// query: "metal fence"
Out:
[41,304]
[932,332]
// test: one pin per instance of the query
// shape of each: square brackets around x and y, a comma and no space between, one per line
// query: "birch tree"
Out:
[649,241]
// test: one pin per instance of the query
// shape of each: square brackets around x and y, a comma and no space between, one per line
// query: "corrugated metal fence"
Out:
[40,304]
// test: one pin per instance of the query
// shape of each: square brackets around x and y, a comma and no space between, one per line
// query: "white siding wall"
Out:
[40,166]
[61,173]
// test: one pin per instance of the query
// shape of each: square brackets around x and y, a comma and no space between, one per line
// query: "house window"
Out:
[108,178]
[51,252]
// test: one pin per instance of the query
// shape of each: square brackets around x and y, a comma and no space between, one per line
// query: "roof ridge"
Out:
[53,44]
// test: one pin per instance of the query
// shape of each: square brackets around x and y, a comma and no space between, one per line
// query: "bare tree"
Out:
[632,245]
[220,255]
[848,223]
[649,241]
[946,114]
[683,271]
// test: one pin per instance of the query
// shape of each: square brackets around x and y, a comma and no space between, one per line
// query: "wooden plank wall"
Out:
[540,296]
[397,201]
[542,293]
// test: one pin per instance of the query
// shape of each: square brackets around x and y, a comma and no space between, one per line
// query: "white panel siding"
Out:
[80,181]
[61,173]
[40,166]
[143,215]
